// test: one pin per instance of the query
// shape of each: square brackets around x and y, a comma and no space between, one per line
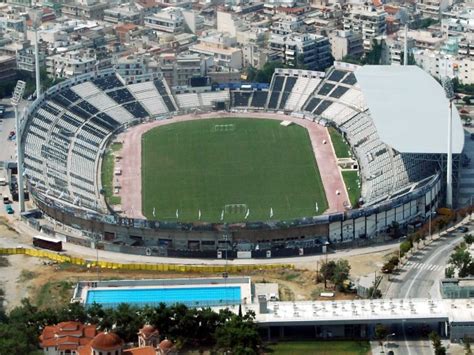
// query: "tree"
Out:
[381,331]
[461,258]
[352,60]
[341,273]
[468,239]
[251,73]
[467,99]
[449,272]
[374,57]
[467,346]
[395,230]
[374,293]
[436,342]
[239,335]
[405,246]
[327,270]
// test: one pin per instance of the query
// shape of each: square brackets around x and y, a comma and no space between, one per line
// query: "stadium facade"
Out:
[394,119]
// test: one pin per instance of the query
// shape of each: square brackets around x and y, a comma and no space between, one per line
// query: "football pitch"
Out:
[231,170]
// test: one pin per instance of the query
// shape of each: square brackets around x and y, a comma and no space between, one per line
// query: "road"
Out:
[419,278]
[27,232]
[421,273]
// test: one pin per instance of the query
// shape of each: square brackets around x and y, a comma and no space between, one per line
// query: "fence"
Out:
[137,267]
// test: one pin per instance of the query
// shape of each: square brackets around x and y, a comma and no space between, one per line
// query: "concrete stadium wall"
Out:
[188,240]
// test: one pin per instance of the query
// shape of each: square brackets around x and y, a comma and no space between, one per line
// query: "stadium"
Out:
[257,170]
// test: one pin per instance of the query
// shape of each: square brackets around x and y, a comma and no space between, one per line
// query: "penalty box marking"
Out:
[236,208]
[223,127]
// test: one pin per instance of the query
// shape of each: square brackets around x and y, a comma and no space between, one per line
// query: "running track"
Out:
[130,180]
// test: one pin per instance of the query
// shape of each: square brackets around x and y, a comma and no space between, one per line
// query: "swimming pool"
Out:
[190,296]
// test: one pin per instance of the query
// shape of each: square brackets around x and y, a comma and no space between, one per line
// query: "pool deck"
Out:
[82,288]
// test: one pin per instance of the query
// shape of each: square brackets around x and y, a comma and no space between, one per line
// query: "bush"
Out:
[405,246]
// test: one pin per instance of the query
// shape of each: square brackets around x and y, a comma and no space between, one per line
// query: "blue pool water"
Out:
[190,296]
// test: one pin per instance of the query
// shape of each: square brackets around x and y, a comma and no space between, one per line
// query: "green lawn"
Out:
[229,164]
[341,148]
[321,348]
[351,179]
[107,174]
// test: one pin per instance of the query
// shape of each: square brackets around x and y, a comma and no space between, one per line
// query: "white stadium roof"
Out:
[409,109]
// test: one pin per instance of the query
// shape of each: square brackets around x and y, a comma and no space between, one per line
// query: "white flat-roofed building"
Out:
[70,64]
[427,39]
[169,20]
[220,47]
[439,64]
[122,14]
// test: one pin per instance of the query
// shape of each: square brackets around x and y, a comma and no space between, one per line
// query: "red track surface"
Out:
[130,180]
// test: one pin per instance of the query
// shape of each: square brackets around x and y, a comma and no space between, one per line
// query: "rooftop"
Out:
[404,101]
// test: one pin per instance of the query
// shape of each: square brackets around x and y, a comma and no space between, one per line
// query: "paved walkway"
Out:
[27,232]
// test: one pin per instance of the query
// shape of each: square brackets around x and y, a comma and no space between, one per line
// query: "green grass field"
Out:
[341,148]
[232,165]
[321,348]
[351,180]
[107,174]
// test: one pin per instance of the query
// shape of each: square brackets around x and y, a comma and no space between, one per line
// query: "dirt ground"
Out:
[50,284]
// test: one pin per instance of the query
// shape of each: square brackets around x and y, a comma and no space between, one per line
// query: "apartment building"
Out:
[309,51]
[367,20]
[168,20]
[219,46]
[346,43]
[70,64]
[7,67]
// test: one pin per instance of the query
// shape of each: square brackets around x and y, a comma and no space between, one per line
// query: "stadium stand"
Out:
[68,129]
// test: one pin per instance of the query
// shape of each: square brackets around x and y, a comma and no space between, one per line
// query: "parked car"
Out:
[462,229]
[9,209]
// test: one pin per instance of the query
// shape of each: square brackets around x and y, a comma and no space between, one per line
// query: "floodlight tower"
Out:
[404,18]
[15,100]
[448,88]
[35,16]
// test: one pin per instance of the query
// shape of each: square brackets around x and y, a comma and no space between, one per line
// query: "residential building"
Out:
[25,60]
[220,47]
[346,43]
[126,31]
[123,14]
[168,20]
[427,39]
[179,69]
[433,8]
[70,64]
[84,9]
[7,67]
[20,3]
[131,66]
[367,20]
[256,56]
[440,64]
[308,51]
